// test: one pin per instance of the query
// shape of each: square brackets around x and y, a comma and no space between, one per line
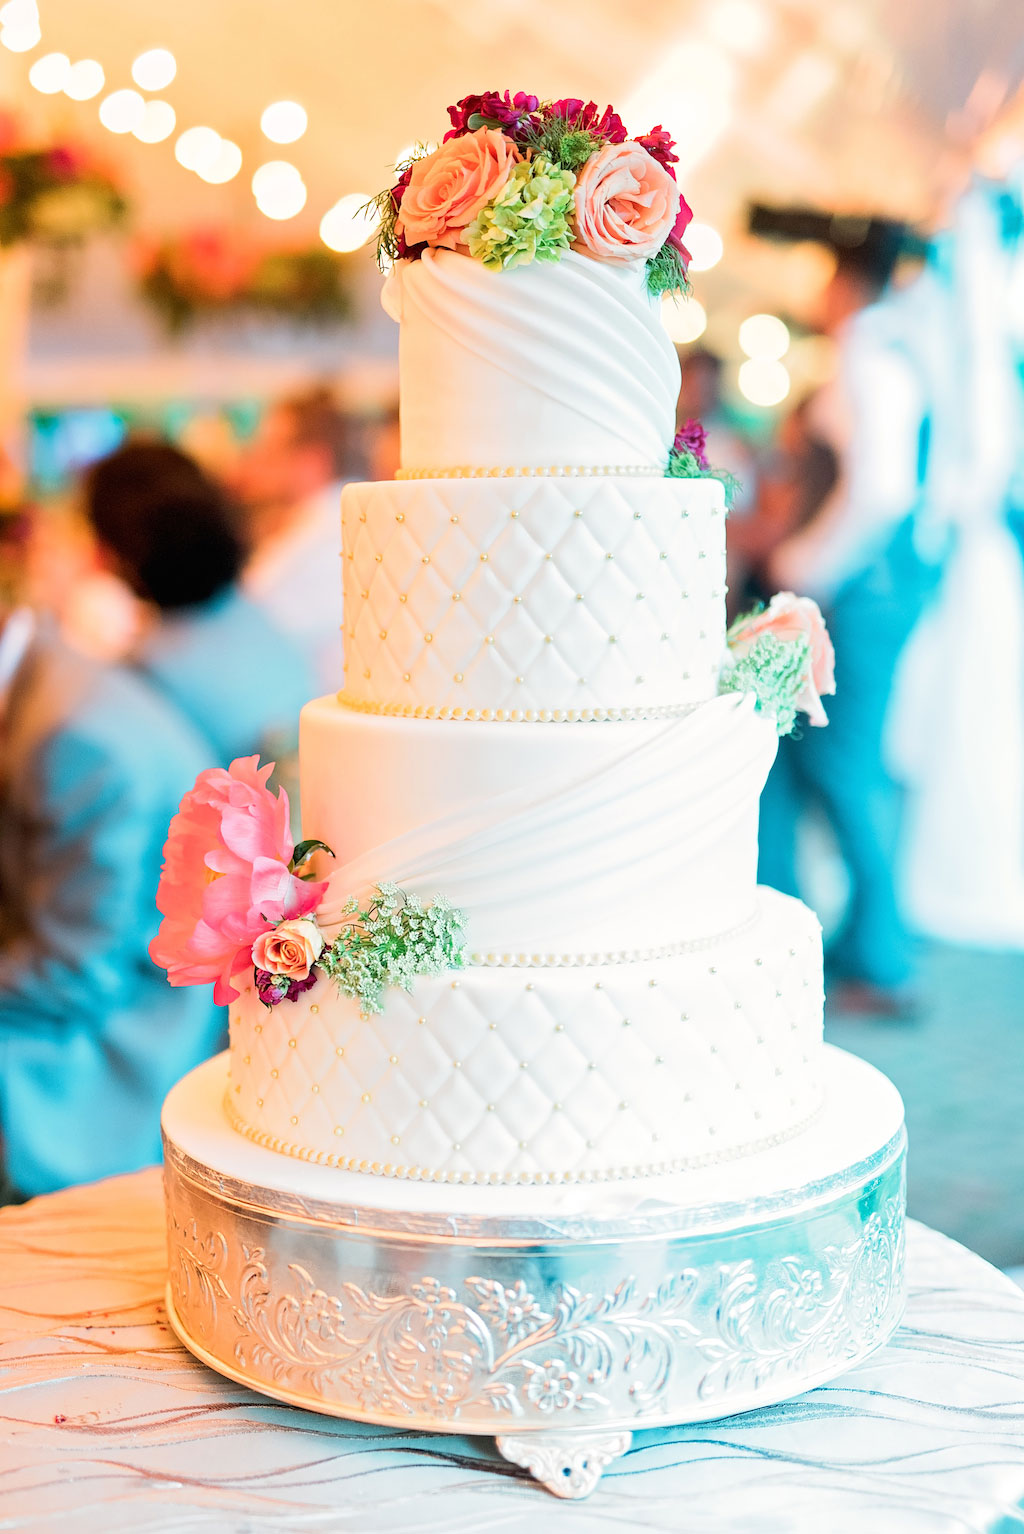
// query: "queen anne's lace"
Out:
[391,941]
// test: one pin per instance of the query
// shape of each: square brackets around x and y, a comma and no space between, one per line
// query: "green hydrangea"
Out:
[773,670]
[530,220]
[390,942]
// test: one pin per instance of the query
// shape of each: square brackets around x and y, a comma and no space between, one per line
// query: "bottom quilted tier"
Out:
[547,1074]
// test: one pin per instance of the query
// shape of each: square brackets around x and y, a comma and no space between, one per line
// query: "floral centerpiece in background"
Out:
[54,194]
[519,180]
[219,271]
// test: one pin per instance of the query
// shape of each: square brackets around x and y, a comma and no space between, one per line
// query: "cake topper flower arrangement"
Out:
[237,895]
[782,653]
[519,180]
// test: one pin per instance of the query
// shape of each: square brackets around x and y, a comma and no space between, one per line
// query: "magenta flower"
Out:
[660,145]
[692,438]
[405,249]
[683,217]
[607,124]
[275,988]
[491,110]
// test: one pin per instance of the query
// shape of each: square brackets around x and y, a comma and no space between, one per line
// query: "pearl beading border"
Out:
[494,1179]
[622,956]
[538,471]
[515,715]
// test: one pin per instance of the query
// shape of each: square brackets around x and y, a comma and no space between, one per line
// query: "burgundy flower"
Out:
[692,438]
[607,125]
[678,229]
[275,988]
[492,110]
[660,145]
[405,251]
[65,163]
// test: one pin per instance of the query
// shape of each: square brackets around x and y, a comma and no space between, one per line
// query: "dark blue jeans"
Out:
[840,768]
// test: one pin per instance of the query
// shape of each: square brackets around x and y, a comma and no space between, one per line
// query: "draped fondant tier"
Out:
[555,363]
[625,1070]
[533,598]
[554,842]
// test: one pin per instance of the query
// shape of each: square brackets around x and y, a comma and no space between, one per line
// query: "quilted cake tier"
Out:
[551,840]
[546,1074]
[533,598]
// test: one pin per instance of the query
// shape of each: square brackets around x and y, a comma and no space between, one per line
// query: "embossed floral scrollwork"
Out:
[196,1271]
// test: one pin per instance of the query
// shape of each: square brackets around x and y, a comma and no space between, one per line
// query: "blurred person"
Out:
[170,533]
[93,763]
[858,556]
[290,480]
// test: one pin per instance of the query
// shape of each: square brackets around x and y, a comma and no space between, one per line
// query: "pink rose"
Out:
[447,189]
[789,617]
[626,204]
[226,878]
[291,949]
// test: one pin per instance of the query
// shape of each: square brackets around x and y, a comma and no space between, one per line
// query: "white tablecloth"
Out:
[108,1425]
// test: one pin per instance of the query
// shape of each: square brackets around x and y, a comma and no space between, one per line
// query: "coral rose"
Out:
[789,617]
[447,189]
[626,204]
[226,877]
[290,949]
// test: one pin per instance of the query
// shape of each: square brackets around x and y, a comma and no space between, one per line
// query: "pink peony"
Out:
[226,878]
[626,204]
[791,617]
[447,189]
[290,949]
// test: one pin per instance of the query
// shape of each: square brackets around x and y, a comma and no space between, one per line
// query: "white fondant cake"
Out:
[523,597]
[530,727]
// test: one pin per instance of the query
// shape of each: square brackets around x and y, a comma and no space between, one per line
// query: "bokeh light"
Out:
[684,318]
[50,73]
[19,25]
[154,69]
[705,246]
[279,190]
[764,336]
[224,166]
[197,147]
[85,80]
[350,223]
[764,381]
[122,111]
[157,123]
[284,121]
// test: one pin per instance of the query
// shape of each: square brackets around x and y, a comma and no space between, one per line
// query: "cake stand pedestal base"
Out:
[557,1319]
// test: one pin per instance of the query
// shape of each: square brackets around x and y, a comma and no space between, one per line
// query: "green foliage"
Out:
[529,220]
[563,143]
[54,196]
[391,941]
[201,275]
[686,466]
[666,272]
[305,850]
[773,670]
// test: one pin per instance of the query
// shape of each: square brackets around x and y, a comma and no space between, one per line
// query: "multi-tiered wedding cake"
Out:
[523,942]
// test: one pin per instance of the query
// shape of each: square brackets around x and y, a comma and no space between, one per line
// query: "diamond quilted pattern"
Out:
[531,1072]
[525,595]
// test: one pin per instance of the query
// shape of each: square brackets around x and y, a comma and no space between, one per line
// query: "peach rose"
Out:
[448,188]
[626,204]
[290,949]
[791,617]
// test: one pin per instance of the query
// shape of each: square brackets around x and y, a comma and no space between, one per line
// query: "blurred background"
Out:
[193,358]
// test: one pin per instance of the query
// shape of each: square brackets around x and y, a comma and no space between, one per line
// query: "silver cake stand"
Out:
[557,1319]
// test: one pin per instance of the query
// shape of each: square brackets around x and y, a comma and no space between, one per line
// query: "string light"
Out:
[122,111]
[50,73]
[154,69]
[197,147]
[764,381]
[685,319]
[705,246]
[764,337]
[350,223]
[157,123]
[279,190]
[284,121]
[85,80]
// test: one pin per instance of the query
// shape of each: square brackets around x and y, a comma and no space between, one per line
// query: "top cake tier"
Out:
[562,364]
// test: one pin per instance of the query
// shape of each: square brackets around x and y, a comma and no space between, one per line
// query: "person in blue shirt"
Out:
[93,764]
[171,533]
